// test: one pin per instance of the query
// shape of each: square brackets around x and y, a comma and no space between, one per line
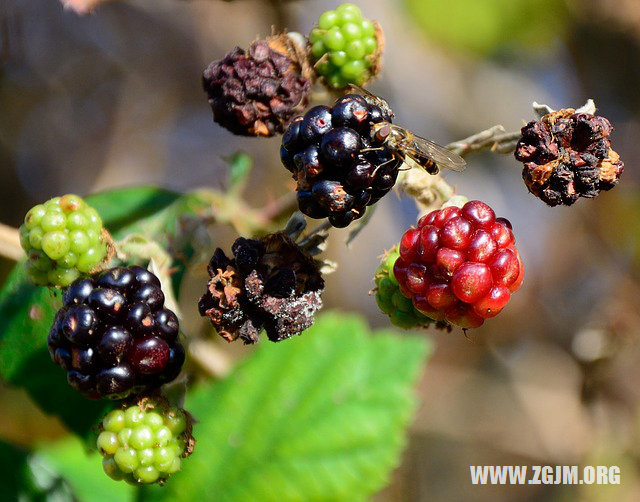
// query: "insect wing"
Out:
[366,93]
[373,99]
[416,146]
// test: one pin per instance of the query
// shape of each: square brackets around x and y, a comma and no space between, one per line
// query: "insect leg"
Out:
[395,156]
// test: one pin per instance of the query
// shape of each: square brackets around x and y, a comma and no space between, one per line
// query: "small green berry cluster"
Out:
[143,443]
[63,238]
[344,47]
[390,299]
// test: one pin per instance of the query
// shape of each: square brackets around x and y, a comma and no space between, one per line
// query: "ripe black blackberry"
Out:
[339,168]
[113,335]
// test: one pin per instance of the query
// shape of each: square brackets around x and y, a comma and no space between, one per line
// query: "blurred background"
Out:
[115,98]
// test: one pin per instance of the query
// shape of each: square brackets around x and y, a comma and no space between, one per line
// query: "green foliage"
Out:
[482,27]
[166,217]
[25,478]
[13,479]
[26,311]
[124,207]
[82,471]
[319,417]
[240,167]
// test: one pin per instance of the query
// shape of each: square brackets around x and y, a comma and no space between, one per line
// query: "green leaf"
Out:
[483,27]
[169,218]
[13,479]
[26,480]
[122,207]
[319,417]
[26,313]
[83,472]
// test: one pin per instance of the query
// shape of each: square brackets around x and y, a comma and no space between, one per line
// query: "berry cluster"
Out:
[270,283]
[63,238]
[256,92]
[344,47]
[460,264]
[144,443]
[113,335]
[339,168]
[390,299]
[568,155]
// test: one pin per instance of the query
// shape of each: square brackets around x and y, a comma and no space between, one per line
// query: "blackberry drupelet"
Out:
[338,167]
[113,335]
[568,155]
[460,265]
[390,299]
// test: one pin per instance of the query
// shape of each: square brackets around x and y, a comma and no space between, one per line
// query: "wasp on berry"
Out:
[402,143]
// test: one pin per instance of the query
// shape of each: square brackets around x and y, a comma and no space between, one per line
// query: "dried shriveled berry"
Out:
[568,155]
[256,92]
[269,284]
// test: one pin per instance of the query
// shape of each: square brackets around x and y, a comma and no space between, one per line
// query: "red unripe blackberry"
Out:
[339,169]
[493,302]
[391,301]
[459,265]
[113,335]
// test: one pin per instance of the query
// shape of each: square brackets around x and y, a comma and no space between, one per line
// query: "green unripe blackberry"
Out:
[390,299]
[345,47]
[63,238]
[145,442]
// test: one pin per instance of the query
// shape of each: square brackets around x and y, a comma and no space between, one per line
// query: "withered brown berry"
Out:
[568,155]
[256,92]
[269,284]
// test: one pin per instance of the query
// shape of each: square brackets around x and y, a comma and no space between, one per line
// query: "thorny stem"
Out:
[281,207]
[10,243]
[431,191]
[495,139]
